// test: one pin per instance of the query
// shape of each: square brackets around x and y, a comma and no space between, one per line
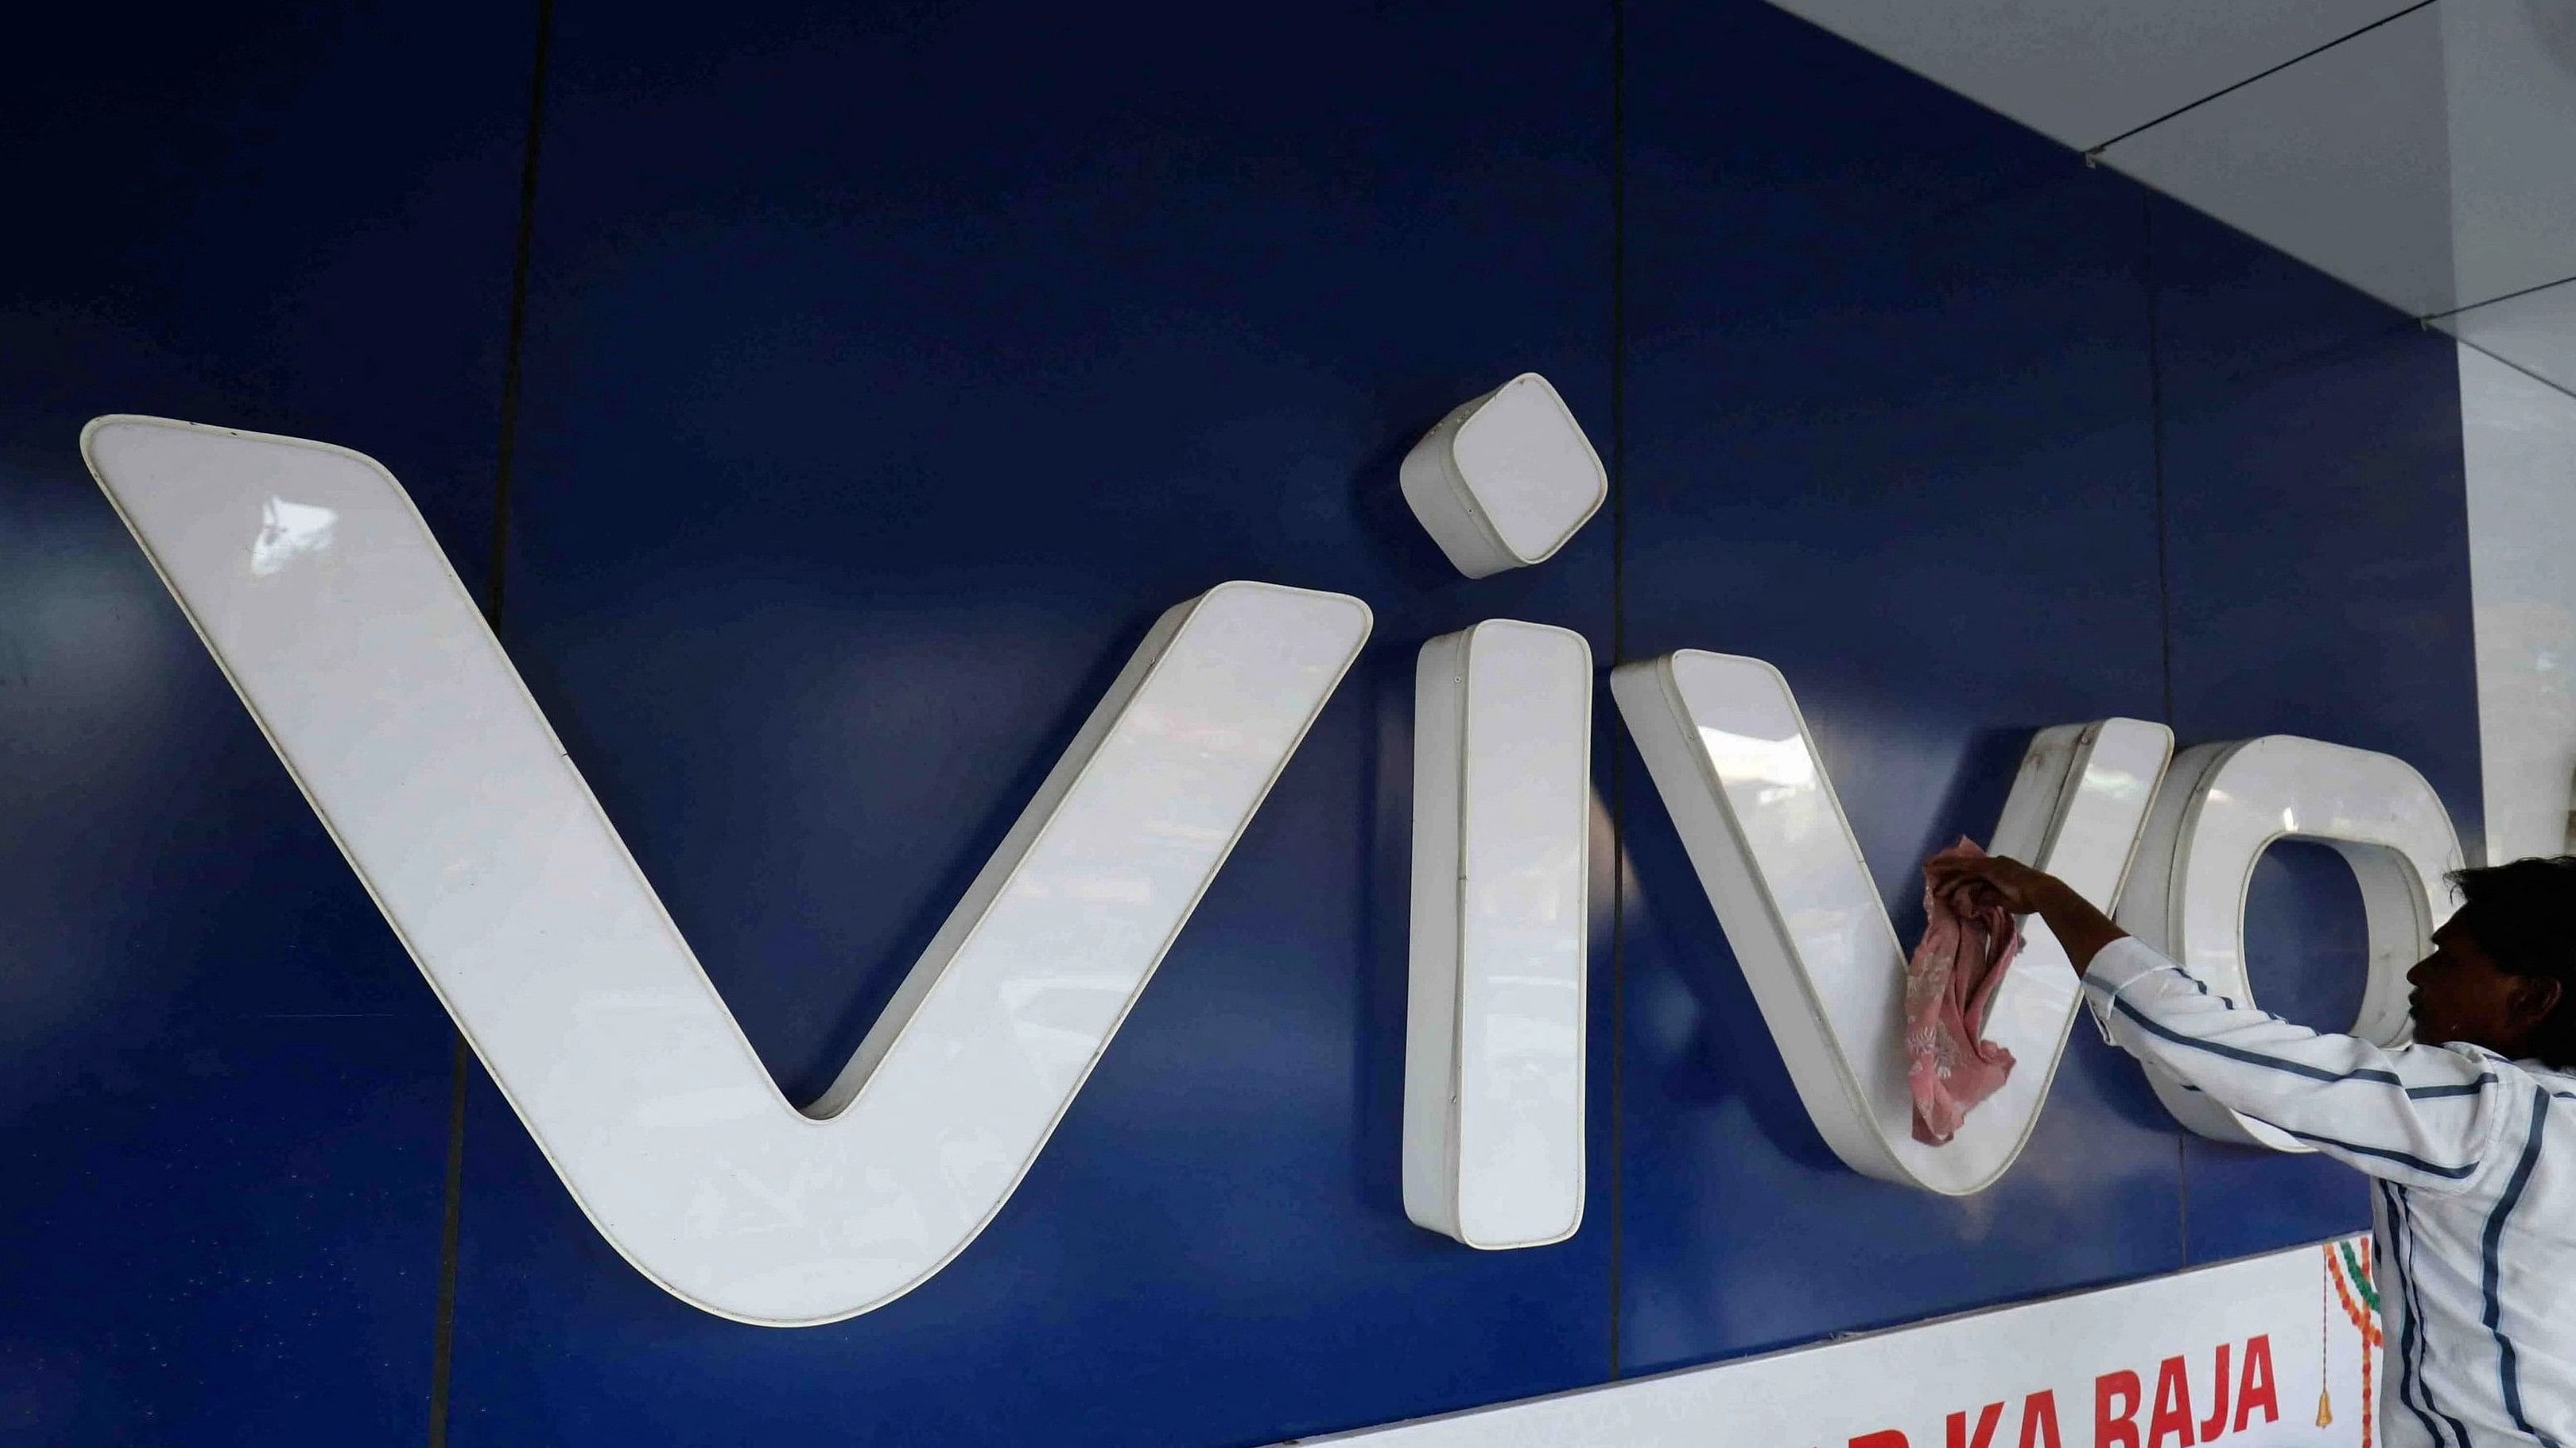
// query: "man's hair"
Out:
[2524,916]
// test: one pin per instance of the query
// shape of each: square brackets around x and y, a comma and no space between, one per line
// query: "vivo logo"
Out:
[321,594]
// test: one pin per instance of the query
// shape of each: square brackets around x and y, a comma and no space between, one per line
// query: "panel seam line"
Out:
[1618,644]
[442,1356]
[2095,152]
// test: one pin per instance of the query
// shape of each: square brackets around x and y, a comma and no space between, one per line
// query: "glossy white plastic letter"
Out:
[309,575]
[1732,758]
[1505,480]
[1493,1054]
[2220,809]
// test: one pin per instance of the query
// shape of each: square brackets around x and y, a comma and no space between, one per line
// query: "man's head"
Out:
[2503,969]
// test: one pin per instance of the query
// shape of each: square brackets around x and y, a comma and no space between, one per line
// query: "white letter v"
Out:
[1731,756]
[310,576]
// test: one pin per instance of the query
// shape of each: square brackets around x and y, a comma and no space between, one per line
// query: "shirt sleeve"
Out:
[2423,1116]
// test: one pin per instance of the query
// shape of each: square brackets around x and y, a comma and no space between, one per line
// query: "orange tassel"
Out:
[2325,1409]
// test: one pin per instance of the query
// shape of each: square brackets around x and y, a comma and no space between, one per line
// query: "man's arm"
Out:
[2083,930]
[2424,1116]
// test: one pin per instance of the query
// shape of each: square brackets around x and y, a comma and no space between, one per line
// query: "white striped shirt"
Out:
[2475,1204]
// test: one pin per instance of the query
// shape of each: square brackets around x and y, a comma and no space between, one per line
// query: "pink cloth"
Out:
[1948,985]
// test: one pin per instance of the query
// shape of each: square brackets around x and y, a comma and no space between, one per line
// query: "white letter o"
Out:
[2220,808]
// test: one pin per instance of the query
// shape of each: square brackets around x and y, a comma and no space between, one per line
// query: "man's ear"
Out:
[2535,997]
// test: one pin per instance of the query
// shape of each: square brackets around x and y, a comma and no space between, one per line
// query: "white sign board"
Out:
[2248,1353]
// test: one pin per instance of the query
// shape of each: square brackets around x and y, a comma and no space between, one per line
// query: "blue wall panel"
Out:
[1890,423]
[886,379]
[886,374]
[2319,556]
[223,1086]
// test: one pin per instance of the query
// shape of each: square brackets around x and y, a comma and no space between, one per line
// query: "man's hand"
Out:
[1996,880]
[1989,880]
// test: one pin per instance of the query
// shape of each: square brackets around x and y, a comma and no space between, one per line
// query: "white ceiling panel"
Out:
[2512,72]
[2084,71]
[2341,160]
[2424,153]
[2535,332]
